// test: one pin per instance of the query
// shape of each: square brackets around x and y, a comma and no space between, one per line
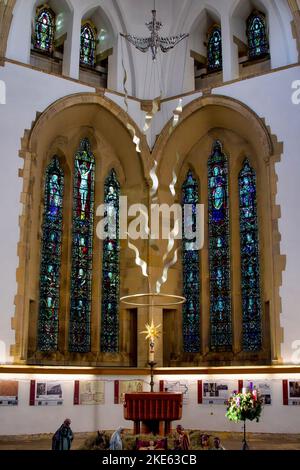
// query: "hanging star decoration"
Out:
[155,41]
[152,332]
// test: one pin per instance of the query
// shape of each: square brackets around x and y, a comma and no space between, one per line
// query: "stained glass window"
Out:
[250,266]
[214,49]
[191,282]
[82,249]
[258,43]
[88,45]
[219,251]
[111,268]
[44,30]
[51,258]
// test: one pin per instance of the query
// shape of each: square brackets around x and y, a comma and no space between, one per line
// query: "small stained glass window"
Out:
[44,30]
[214,49]
[88,45]
[258,43]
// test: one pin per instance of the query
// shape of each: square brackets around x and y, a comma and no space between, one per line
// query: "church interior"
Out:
[149,246]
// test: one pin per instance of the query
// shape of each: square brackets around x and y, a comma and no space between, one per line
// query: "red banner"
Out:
[285,393]
[32,393]
[76,392]
[200,392]
[117,387]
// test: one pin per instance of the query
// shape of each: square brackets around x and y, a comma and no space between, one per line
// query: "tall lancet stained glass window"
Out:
[250,266]
[82,249]
[88,45]
[214,49]
[190,259]
[44,29]
[51,258]
[111,267]
[258,43]
[219,251]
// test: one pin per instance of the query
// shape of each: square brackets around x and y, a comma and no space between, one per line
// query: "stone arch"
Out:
[202,121]
[101,120]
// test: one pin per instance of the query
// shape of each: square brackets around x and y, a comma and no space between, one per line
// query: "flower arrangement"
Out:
[245,405]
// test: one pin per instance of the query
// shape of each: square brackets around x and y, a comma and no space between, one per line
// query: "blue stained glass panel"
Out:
[82,249]
[191,281]
[250,265]
[111,269]
[88,45]
[258,43]
[44,30]
[214,50]
[219,251]
[48,323]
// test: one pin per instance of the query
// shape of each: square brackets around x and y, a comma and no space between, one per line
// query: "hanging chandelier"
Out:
[155,41]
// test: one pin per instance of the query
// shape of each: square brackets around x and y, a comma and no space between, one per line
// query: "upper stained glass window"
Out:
[214,49]
[250,266]
[51,258]
[111,267]
[44,29]
[258,43]
[88,45]
[82,249]
[190,259]
[219,251]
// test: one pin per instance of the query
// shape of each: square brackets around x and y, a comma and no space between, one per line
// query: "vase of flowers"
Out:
[243,406]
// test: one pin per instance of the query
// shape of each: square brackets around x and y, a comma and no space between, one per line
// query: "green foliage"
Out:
[243,406]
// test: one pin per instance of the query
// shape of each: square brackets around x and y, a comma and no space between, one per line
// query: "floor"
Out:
[229,440]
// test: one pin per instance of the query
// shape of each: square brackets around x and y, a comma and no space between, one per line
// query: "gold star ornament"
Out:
[152,331]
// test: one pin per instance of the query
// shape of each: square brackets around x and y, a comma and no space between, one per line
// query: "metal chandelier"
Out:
[155,41]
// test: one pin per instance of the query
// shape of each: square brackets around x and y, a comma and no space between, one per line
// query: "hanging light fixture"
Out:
[155,41]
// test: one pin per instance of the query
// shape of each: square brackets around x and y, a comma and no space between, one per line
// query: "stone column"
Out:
[229,50]
[72,48]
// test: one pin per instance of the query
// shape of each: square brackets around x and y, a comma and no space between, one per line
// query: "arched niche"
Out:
[58,131]
[243,134]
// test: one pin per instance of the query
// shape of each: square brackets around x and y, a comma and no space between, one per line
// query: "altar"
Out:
[153,413]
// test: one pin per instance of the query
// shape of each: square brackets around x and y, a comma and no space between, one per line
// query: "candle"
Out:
[244,391]
[151,351]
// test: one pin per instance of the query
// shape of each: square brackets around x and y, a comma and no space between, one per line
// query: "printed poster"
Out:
[182,387]
[91,392]
[216,393]
[129,386]
[294,392]
[48,393]
[264,389]
[9,392]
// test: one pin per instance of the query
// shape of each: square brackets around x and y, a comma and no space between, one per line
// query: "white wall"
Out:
[173,73]
[25,419]
[29,91]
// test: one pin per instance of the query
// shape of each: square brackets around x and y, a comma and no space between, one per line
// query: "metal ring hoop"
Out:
[175,300]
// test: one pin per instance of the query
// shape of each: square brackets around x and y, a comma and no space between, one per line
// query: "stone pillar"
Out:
[229,50]
[72,48]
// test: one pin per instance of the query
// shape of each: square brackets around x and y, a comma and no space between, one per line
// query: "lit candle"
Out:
[244,391]
[151,351]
